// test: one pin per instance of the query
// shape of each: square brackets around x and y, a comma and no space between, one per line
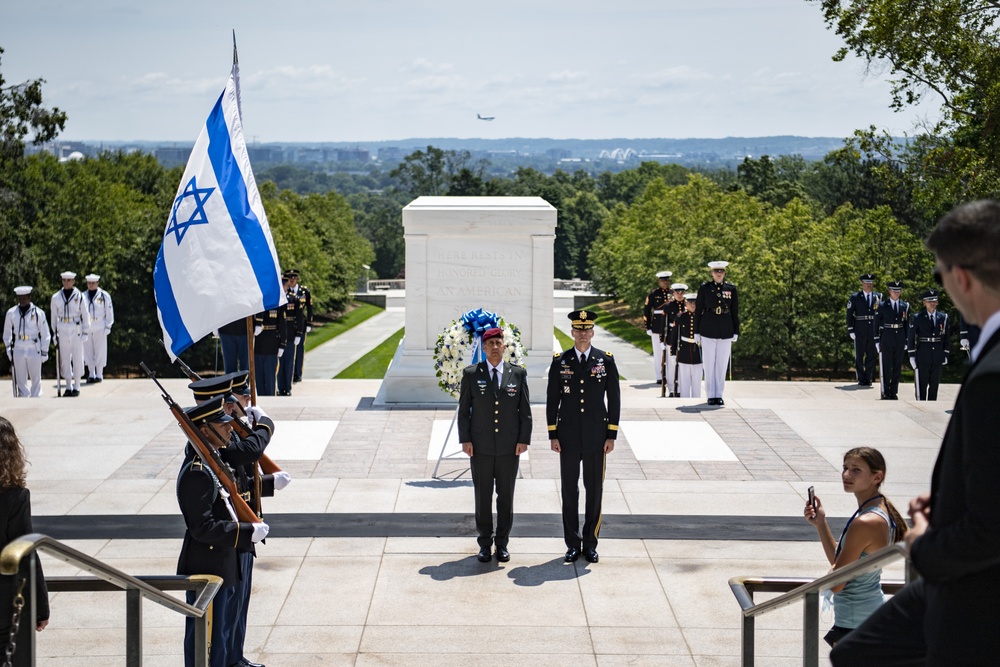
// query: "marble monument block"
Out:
[464,253]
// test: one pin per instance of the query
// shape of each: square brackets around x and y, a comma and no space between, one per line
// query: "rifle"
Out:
[13,369]
[208,453]
[663,359]
[241,427]
[58,365]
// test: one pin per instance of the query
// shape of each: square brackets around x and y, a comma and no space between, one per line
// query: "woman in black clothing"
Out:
[15,521]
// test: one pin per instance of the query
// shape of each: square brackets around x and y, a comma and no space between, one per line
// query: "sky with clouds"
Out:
[365,70]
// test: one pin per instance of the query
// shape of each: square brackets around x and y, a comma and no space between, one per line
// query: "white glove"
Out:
[913,363]
[215,333]
[298,339]
[309,329]
[281,480]
[735,337]
[257,329]
[697,338]
[10,354]
[255,412]
[945,362]
[649,332]
[965,343]
[86,337]
[851,335]
[55,339]
[107,330]
[45,355]
[260,531]
[281,351]
[878,348]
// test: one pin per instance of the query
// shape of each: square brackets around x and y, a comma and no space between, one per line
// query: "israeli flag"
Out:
[217,261]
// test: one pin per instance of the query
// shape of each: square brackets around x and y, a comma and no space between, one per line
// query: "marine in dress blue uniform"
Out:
[655,319]
[582,409]
[861,309]
[893,324]
[928,344]
[717,324]
[673,308]
[689,363]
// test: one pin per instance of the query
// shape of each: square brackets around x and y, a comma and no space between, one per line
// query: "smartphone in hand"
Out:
[812,497]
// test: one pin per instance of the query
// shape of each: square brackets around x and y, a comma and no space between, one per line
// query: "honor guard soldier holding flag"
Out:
[582,408]
[102,317]
[70,330]
[928,344]
[861,309]
[305,300]
[655,319]
[26,339]
[892,322]
[717,326]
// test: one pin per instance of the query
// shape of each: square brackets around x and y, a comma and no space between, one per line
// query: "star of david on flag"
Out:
[217,261]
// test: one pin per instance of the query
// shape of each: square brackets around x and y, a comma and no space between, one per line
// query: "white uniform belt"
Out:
[929,340]
[864,317]
[892,326]
[688,340]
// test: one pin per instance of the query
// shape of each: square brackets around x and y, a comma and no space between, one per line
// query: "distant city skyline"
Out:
[384,70]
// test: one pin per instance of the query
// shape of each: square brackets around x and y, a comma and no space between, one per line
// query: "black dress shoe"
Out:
[591,555]
[246,663]
[484,555]
[502,554]
[719,401]
[572,554]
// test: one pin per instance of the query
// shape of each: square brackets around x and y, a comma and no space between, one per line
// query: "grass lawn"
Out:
[373,365]
[621,328]
[565,342]
[356,315]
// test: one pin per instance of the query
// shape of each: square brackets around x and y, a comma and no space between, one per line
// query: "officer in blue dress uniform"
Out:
[582,408]
[304,296]
[269,346]
[861,309]
[212,535]
[295,325]
[929,344]
[893,324]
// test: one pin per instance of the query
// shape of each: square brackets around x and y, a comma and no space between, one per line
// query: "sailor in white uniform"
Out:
[26,338]
[70,329]
[102,316]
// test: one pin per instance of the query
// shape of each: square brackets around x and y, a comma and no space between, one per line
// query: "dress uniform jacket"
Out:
[672,309]
[683,340]
[26,336]
[272,338]
[929,340]
[893,328]
[575,402]
[653,315]
[717,314]
[861,322]
[494,421]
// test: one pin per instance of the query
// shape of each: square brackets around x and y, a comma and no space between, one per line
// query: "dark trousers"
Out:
[238,608]
[893,635]
[300,355]
[570,460]
[285,365]
[893,349]
[489,472]
[928,379]
[266,370]
[865,357]
[235,352]
[218,653]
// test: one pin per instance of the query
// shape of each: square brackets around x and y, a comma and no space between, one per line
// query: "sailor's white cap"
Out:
[92,277]
[67,275]
[23,290]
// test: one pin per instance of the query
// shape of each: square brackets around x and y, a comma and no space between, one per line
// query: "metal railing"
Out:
[558,283]
[807,590]
[108,578]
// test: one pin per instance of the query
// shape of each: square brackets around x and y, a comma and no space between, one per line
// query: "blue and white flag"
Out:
[217,261]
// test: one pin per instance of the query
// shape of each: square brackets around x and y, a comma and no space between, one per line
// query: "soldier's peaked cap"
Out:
[718,265]
[867,278]
[691,296]
[23,290]
[291,273]
[663,275]
[896,285]
[207,388]
[241,383]
[929,295]
[210,411]
[677,286]
[583,319]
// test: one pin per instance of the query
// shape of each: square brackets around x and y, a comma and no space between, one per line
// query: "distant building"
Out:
[352,155]
[391,154]
[558,154]
[172,156]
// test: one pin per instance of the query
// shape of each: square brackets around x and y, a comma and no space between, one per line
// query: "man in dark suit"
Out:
[582,429]
[494,427]
[861,309]
[892,324]
[949,616]
[212,536]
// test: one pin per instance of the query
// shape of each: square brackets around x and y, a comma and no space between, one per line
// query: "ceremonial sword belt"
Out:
[933,339]
[864,317]
[270,327]
[719,310]
[892,326]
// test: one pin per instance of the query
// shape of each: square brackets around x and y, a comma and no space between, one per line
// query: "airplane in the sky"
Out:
[485,117]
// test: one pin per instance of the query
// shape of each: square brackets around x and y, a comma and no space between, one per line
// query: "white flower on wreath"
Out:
[453,351]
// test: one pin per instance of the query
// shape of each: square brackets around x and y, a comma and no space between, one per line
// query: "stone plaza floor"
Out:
[370,561]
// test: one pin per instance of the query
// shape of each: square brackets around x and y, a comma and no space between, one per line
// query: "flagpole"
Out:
[236,60]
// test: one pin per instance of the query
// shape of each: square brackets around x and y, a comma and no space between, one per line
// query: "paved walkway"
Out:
[372,562]
[333,356]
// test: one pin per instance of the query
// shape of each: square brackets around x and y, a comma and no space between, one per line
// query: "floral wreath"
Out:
[461,344]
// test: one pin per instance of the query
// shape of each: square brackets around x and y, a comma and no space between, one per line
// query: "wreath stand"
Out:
[444,446]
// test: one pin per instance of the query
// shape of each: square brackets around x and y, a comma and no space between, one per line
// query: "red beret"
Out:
[495,332]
